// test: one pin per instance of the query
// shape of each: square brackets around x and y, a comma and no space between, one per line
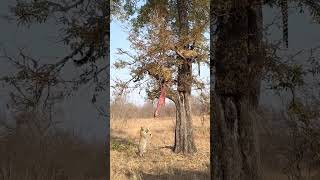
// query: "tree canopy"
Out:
[159,45]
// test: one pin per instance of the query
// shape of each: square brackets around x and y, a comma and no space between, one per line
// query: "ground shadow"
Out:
[121,140]
[177,175]
[121,144]
[167,147]
[158,131]
[117,131]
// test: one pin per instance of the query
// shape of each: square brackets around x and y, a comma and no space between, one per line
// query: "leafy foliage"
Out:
[122,9]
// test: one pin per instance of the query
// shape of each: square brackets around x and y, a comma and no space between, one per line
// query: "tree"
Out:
[238,61]
[38,84]
[168,37]
[239,57]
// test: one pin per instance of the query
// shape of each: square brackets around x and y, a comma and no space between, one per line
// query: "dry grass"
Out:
[159,161]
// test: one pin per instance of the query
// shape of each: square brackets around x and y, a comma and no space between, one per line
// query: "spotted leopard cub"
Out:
[145,135]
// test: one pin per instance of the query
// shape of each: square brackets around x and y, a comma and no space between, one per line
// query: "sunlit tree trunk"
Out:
[184,140]
[238,61]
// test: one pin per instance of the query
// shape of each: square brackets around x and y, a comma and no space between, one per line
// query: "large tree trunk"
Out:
[184,140]
[238,64]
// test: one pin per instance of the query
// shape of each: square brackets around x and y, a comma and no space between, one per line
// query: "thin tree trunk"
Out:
[238,63]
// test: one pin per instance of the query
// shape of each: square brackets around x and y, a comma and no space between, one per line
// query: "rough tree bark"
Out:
[238,61]
[184,141]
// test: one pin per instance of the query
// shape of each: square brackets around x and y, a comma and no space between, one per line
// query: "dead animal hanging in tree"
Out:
[161,100]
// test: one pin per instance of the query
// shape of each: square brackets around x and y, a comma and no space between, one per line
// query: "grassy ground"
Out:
[159,161]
